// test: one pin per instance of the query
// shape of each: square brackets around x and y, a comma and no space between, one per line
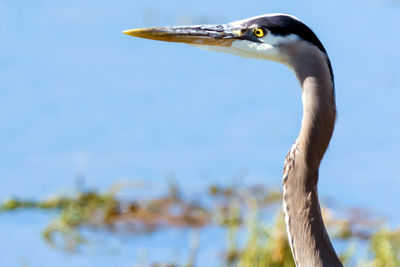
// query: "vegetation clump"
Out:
[254,212]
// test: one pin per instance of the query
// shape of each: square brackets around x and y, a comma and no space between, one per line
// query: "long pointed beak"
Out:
[220,35]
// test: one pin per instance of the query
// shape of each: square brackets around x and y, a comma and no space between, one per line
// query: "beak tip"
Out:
[126,32]
[133,32]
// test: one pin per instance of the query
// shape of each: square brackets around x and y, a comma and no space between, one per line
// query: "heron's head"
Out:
[276,37]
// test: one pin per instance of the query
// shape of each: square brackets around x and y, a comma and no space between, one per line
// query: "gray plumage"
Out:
[285,39]
[310,242]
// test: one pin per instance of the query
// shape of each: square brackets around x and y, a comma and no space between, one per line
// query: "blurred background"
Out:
[80,99]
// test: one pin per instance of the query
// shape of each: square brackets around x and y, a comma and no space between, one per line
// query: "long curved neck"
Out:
[310,243]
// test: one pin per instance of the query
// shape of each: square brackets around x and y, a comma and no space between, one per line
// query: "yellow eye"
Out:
[259,32]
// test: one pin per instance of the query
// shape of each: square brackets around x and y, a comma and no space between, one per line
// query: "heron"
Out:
[285,39]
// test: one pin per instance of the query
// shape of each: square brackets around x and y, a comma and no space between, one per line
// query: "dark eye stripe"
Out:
[284,25]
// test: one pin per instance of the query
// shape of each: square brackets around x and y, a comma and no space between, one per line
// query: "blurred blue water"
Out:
[22,244]
[79,97]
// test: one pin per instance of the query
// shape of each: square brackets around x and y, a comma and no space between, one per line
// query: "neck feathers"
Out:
[309,240]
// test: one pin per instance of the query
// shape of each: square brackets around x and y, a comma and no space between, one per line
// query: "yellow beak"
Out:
[220,35]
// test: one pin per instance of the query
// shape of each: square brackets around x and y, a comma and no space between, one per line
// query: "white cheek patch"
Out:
[267,49]
[246,48]
[215,48]
[257,50]
[276,40]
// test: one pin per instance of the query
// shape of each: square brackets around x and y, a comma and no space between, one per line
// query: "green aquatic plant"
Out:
[384,248]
